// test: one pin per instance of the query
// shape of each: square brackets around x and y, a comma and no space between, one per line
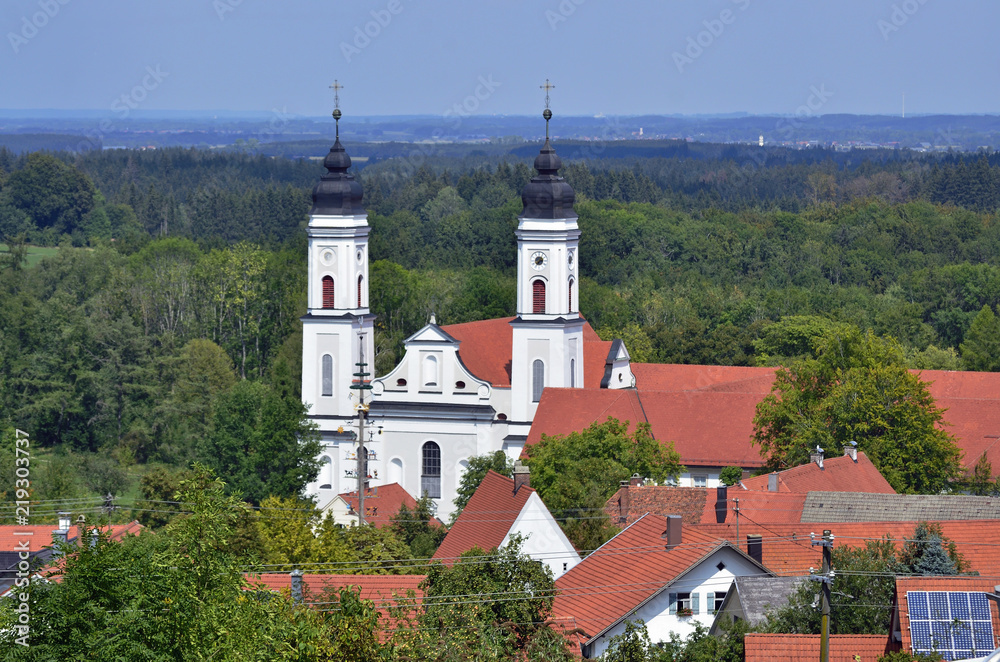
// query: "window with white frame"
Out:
[699,480]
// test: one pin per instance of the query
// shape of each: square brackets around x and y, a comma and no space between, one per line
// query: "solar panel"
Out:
[955,624]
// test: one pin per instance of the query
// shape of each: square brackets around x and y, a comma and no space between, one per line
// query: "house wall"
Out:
[705,578]
[545,541]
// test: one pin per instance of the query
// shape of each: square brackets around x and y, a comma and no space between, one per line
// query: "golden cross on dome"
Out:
[336,87]
[548,86]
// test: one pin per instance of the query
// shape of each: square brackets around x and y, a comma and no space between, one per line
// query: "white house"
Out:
[653,570]
[501,508]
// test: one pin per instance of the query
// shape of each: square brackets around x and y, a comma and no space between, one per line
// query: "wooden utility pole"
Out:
[361,385]
[825,578]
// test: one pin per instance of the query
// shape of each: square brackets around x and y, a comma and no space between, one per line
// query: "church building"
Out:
[460,390]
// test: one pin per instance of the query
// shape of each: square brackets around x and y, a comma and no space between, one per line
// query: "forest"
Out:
[171,298]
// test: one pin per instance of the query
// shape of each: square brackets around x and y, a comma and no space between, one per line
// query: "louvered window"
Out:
[538,297]
[360,280]
[569,305]
[328,292]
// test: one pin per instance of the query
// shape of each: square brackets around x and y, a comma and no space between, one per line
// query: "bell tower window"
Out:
[361,280]
[538,297]
[328,301]
[569,305]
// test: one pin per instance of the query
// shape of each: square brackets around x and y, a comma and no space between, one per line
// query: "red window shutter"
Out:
[360,278]
[538,297]
[328,292]
[569,306]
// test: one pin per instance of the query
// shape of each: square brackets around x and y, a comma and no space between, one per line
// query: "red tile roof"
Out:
[487,347]
[682,403]
[696,505]
[40,535]
[385,591]
[839,474]
[618,576]
[486,519]
[381,503]
[787,552]
[766,647]
[691,419]
[976,584]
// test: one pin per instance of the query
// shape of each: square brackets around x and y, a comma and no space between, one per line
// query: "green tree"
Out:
[479,465]
[419,529]
[731,475]
[577,473]
[262,442]
[981,345]
[982,482]
[857,387]
[632,645]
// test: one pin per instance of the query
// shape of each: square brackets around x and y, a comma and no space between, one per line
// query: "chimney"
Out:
[851,450]
[817,457]
[297,586]
[624,499]
[64,520]
[81,530]
[772,482]
[636,480]
[755,548]
[675,526]
[721,504]
[522,476]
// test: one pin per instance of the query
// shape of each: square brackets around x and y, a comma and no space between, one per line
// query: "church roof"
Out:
[486,519]
[682,403]
[382,503]
[486,349]
[337,193]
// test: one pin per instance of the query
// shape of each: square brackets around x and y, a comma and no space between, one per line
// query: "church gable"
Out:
[431,367]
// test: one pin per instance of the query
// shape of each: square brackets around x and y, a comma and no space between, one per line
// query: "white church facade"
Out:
[460,390]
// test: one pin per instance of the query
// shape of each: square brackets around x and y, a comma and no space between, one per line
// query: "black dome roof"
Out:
[548,195]
[337,193]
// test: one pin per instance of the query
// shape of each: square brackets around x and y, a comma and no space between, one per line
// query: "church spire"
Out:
[548,196]
[337,193]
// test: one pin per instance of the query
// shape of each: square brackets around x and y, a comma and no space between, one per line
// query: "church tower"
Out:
[548,330]
[337,306]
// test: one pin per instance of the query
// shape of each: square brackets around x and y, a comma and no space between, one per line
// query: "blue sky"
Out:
[425,56]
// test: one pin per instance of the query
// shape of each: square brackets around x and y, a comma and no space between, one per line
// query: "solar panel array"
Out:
[954,624]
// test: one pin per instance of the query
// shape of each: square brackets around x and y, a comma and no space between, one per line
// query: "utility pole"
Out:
[825,578]
[361,385]
[736,509]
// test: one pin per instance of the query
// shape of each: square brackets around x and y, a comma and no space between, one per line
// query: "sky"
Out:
[429,57]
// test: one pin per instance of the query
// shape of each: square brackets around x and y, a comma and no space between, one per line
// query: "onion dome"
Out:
[337,193]
[548,195]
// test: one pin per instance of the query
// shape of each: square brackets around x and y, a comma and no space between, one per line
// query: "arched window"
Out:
[325,473]
[430,371]
[396,471]
[572,373]
[430,475]
[570,304]
[360,281]
[537,380]
[328,292]
[538,297]
[327,375]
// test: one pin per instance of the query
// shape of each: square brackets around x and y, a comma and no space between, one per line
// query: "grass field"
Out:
[35,253]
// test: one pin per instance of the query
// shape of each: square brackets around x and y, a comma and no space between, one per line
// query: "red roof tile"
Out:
[674,377]
[787,552]
[486,348]
[690,419]
[40,535]
[385,591]
[486,519]
[603,588]
[696,505]
[382,503]
[766,647]
[972,584]
[839,474]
